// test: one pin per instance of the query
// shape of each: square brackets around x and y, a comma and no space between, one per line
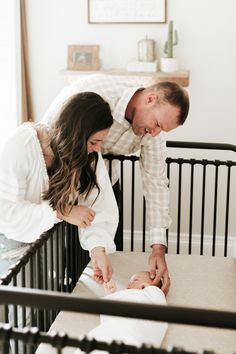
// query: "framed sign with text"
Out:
[127,11]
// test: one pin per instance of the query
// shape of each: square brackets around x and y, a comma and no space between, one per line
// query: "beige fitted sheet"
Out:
[196,281]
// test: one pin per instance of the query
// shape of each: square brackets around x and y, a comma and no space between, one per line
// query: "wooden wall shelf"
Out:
[181,76]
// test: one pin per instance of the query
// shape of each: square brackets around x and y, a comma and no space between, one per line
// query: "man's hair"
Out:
[174,94]
[73,170]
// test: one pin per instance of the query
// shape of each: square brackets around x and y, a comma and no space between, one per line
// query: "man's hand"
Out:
[101,264]
[158,267]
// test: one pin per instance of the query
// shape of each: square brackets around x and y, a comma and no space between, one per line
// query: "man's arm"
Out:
[156,192]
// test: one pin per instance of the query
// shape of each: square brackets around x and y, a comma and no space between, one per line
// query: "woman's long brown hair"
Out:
[73,170]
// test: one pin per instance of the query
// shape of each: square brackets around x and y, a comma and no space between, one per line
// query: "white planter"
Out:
[169,65]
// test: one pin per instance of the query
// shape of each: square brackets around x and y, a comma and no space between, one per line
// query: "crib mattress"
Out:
[196,281]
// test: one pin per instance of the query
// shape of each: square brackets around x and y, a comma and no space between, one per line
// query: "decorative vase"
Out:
[146,50]
[169,65]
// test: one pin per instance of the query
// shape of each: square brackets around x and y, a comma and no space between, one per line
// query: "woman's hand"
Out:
[101,264]
[80,215]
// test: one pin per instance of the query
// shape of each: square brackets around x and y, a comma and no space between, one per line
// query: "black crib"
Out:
[33,291]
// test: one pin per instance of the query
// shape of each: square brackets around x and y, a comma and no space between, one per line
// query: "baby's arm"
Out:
[110,287]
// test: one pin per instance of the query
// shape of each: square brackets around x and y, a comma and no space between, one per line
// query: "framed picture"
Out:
[127,11]
[83,57]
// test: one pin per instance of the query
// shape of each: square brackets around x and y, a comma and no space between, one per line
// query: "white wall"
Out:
[206,47]
[9,66]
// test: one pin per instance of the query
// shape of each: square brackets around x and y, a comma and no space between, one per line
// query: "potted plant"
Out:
[170,63]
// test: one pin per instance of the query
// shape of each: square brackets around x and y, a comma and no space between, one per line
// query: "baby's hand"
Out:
[110,287]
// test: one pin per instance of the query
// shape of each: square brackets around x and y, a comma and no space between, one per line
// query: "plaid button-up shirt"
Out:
[121,140]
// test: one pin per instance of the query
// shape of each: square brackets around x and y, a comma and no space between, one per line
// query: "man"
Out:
[140,115]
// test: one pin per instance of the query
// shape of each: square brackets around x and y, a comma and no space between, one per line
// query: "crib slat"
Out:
[227,208]
[179,207]
[132,206]
[121,246]
[191,207]
[215,209]
[203,207]
[144,226]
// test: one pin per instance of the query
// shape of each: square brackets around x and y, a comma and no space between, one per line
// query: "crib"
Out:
[46,309]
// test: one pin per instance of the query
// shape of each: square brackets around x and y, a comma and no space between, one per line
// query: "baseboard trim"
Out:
[172,242]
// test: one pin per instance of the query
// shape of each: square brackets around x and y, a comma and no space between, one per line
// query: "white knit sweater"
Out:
[24,216]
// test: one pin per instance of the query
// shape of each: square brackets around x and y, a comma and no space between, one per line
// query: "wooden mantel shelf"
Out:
[181,76]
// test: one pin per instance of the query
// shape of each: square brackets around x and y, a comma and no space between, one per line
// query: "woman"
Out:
[47,176]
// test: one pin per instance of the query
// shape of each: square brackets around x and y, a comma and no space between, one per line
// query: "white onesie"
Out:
[131,330]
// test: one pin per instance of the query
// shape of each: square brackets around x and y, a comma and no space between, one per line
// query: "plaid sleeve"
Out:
[155,187]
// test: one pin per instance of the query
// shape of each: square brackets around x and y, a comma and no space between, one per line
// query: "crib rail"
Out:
[68,302]
[51,300]
[33,337]
[53,262]
[201,145]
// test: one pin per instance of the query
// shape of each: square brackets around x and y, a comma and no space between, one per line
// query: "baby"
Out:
[138,280]
[141,280]
[131,331]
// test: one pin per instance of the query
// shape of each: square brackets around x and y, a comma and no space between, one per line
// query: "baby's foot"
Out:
[110,287]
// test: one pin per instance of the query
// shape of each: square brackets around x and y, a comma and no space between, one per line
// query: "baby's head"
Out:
[141,280]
